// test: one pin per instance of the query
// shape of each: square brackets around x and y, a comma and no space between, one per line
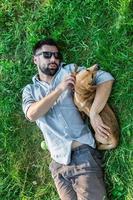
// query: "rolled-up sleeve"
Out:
[102,76]
[27,99]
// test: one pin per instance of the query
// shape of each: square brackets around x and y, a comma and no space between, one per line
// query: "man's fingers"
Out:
[103,131]
[105,126]
[70,77]
[70,81]
[102,134]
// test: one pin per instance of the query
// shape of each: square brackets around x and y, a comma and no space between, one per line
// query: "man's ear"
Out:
[35,60]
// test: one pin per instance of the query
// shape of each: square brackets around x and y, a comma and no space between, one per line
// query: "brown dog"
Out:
[83,97]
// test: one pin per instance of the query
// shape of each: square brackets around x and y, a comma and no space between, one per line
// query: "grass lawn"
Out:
[89,31]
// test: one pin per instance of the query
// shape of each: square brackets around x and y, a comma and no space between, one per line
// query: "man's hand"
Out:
[98,125]
[68,82]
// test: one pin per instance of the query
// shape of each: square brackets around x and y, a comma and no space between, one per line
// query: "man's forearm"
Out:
[102,94]
[41,107]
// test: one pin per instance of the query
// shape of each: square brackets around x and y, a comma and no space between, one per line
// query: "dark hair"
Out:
[48,41]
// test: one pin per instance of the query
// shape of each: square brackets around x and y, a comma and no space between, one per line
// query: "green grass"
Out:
[89,32]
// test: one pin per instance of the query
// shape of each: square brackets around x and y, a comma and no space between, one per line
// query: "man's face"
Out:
[47,60]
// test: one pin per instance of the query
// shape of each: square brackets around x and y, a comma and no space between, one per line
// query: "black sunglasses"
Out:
[48,54]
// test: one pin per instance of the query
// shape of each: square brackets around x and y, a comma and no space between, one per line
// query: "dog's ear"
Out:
[94,67]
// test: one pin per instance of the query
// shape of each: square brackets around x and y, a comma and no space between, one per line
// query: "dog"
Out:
[84,94]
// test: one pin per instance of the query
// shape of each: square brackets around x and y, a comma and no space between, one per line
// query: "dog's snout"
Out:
[97,66]
[94,68]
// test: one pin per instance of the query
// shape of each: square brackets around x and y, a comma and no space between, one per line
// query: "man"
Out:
[76,164]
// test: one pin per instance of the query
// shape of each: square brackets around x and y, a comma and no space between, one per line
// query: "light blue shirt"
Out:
[62,124]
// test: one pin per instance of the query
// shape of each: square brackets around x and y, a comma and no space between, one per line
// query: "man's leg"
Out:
[65,188]
[62,183]
[90,187]
[88,183]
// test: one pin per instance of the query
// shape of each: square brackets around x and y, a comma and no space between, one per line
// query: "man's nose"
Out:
[52,59]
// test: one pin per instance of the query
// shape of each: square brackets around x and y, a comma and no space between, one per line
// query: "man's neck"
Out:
[45,78]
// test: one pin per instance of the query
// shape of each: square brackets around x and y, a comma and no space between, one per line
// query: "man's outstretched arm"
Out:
[102,94]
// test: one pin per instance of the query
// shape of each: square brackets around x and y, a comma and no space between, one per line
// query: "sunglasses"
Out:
[48,54]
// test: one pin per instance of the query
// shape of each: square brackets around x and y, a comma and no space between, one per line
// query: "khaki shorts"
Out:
[82,179]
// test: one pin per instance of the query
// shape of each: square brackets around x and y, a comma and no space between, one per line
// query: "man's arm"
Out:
[102,94]
[41,107]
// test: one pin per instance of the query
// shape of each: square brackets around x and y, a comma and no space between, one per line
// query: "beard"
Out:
[45,69]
